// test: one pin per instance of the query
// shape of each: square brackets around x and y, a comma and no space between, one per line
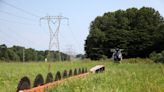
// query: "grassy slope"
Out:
[116,78]
[11,73]
[119,78]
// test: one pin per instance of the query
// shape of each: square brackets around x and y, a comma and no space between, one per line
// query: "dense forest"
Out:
[138,32]
[18,53]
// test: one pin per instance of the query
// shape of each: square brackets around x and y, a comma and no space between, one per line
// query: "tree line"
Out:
[138,32]
[18,53]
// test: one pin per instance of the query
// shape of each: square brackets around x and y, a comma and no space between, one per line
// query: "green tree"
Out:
[30,55]
[138,31]
[4,52]
[12,55]
[19,51]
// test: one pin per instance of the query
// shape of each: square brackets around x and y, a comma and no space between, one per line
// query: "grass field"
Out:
[126,77]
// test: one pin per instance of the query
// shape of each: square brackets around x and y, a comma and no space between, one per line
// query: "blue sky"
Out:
[20,28]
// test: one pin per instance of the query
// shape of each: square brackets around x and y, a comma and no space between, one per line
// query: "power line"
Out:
[20,37]
[13,40]
[74,37]
[11,14]
[5,20]
[14,36]
[20,9]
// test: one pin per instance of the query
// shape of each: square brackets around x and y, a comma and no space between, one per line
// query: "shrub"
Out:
[157,57]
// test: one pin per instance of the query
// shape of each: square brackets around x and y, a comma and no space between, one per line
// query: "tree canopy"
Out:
[138,31]
[15,53]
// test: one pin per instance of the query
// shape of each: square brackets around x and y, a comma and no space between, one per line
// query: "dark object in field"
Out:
[117,56]
[65,74]
[24,83]
[38,80]
[57,76]
[49,78]
[79,71]
[75,71]
[102,69]
[70,72]
[83,71]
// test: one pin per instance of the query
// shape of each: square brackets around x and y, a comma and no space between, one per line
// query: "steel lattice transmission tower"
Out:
[54,34]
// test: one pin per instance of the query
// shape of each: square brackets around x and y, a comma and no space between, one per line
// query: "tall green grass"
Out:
[11,73]
[125,77]
[119,78]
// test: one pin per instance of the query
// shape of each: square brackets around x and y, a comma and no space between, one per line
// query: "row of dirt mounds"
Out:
[25,83]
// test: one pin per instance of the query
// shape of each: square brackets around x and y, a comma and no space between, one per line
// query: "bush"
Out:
[157,57]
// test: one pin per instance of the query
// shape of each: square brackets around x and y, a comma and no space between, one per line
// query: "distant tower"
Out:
[54,35]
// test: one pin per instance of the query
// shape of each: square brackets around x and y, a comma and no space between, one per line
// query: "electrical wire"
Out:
[23,39]
[15,37]
[11,14]
[9,21]
[10,39]
[20,9]
[73,36]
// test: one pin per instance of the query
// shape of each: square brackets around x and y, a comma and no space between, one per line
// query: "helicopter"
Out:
[117,53]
